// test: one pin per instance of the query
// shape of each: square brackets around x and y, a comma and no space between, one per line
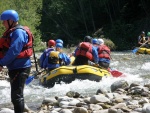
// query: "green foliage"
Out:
[120,21]
[110,44]
[28,15]
[121,34]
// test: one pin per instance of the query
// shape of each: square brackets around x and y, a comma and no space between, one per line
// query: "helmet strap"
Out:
[10,26]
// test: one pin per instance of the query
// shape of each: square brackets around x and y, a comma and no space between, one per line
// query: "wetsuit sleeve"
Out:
[65,58]
[45,62]
[42,59]
[139,38]
[75,51]
[95,54]
[18,39]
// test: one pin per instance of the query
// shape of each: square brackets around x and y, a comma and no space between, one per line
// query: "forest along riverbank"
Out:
[136,69]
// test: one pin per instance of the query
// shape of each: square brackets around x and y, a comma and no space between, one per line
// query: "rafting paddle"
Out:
[114,73]
[136,49]
[30,78]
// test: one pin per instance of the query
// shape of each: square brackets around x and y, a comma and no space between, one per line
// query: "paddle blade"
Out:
[135,50]
[72,58]
[115,73]
[29,79]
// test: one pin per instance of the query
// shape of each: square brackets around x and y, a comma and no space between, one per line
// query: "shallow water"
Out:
[135,67]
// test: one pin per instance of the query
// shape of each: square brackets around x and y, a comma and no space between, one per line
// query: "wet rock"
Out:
[138,110]
[99,99]
[87,100]
[145,94]
[137,90]
[133,85]
[119,84]
[146,108]
[49,101]
[26,109]
[112,95]
[80,104]
[111,110]
[6,110]
[125,109]
[43,107]
[132,102]
[73,94]
[80,110]
[101,91]
[62,103]
[56,109]
[54,112]
[135,112]
[101,111]
[143,100]
[147,85]
[119,106]
[73,102]
[41,111]
[65,111]
[133,106]
[94,107]
[65,98]
[104,106]
[118,100]
[120,91]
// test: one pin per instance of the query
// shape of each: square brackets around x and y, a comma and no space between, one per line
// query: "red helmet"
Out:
[51,43]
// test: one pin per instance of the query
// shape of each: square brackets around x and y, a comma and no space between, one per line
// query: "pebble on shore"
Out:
[123,98]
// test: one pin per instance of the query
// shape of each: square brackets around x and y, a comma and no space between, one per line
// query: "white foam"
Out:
[146,66]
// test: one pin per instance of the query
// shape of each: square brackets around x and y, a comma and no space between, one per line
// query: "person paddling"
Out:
[45,54]
[85,52]
[57,58]
[103,54]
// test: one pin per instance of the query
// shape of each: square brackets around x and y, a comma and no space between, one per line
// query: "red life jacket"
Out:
[5,41]
[104,52]
[85,49]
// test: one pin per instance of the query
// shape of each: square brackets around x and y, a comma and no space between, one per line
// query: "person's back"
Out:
[103,54]
[95,42]
[57,58]
[147,44]
[84,52]
[141,38]
[45,54]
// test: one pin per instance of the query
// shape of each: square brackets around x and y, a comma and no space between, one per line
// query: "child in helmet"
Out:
[57,58]
[43,58]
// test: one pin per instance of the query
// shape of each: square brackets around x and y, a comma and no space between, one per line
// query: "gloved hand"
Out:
[96,65]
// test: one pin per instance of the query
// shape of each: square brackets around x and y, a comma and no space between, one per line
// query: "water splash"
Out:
[134,69]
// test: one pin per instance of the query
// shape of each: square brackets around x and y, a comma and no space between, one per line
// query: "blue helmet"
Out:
[95,41]
[59,41]
[9,15]
[59,45]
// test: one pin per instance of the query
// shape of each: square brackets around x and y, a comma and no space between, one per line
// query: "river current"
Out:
[136,68]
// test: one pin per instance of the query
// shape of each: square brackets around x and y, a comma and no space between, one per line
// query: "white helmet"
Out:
[101,41]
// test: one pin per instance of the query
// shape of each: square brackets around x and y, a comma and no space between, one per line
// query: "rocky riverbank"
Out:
[123,98]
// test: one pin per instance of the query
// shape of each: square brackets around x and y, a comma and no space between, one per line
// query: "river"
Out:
[136,68]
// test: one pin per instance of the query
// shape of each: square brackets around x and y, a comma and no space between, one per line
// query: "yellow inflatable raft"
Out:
[68,74]
[143,51]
